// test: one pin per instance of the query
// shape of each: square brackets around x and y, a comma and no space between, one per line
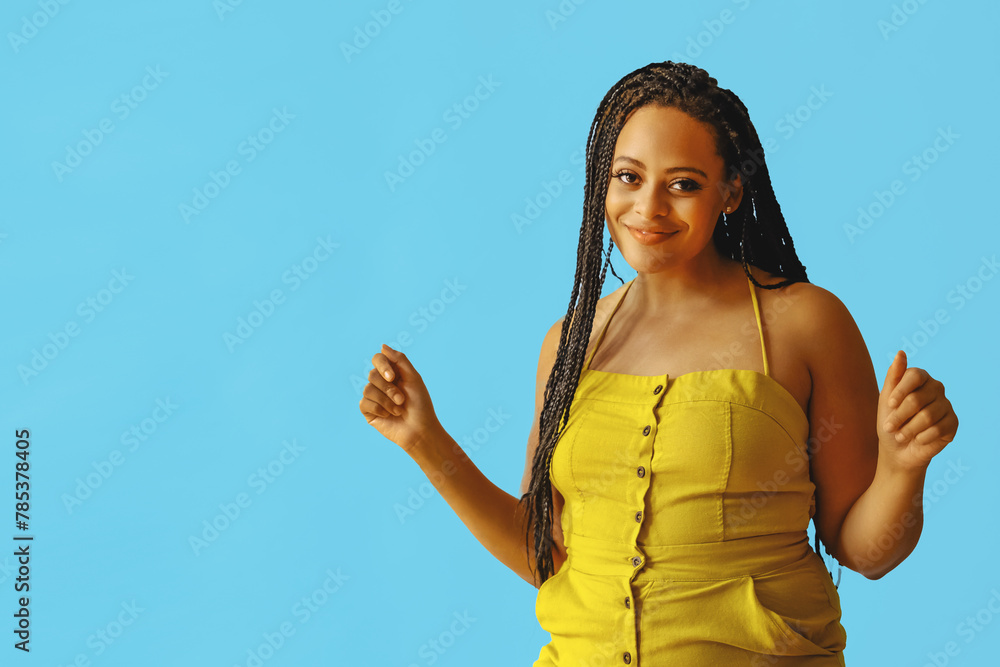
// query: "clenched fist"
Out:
[395,400]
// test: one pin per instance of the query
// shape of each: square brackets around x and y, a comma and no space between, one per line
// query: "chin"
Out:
[646,260]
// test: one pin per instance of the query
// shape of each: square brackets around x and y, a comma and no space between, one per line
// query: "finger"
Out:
[942,429]
[370,409]
[912,403]
[400,361]
[383,365]
[932,432]
[922,419]
[378,396]
[894,373]
[912,379]
[388,388]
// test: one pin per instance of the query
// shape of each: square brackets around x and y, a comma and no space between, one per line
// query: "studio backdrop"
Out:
[215,213]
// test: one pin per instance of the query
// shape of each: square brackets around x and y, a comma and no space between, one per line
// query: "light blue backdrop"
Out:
[201,252]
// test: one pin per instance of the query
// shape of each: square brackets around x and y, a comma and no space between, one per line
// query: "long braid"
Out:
[755,233]
[562,381]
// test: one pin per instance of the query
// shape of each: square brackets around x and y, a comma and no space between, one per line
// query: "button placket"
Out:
[640,470]
[637,560]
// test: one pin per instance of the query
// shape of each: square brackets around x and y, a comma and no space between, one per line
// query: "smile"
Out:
[649,238]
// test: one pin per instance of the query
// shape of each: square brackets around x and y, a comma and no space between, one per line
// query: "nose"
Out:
[652,201]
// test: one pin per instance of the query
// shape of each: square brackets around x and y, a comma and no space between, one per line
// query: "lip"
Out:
[651,238]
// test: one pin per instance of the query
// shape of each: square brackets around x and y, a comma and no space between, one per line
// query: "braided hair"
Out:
[755,233]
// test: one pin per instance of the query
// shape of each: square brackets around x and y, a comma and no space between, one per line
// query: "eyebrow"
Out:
[670,170]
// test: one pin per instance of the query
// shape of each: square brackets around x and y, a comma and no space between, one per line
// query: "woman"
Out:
[673,511]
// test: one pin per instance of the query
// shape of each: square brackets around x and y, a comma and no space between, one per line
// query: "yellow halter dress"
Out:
[687,501]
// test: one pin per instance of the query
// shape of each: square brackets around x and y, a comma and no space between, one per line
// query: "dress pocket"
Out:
[550,607]
[783,635]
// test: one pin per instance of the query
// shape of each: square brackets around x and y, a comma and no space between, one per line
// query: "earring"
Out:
[728,209]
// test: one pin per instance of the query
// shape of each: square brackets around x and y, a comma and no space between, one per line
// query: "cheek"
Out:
[695,211]
[616,203]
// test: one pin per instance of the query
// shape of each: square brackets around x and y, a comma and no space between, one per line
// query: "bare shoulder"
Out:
[809,306]
[813,321]
[601,311]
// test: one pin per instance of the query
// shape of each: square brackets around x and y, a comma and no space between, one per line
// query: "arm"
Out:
[869,510]
[493,516]
[915,422]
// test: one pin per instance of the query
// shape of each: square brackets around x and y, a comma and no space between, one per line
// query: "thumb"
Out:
[894,374]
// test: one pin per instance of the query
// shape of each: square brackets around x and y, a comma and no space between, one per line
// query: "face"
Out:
[667,179]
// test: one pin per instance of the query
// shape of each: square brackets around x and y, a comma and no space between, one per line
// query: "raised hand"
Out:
[396,402]
[915,420]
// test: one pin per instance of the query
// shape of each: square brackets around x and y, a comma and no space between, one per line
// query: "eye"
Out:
[690,186]
[623,172]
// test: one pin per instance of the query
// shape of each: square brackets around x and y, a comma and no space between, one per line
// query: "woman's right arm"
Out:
[494,517]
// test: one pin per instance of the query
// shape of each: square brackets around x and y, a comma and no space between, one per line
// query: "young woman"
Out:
[680,447]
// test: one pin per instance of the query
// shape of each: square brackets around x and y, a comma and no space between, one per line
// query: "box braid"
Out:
[755,233]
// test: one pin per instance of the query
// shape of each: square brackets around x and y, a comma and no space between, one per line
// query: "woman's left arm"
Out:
[915,421]
[870,481]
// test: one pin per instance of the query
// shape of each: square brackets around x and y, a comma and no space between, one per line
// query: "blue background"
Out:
[107,543]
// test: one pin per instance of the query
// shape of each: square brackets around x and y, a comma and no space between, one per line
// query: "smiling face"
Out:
[666,179]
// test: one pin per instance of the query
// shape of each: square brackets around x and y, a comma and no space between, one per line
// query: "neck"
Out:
[691,286]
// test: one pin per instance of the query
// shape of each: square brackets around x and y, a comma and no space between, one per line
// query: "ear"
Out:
[733,194]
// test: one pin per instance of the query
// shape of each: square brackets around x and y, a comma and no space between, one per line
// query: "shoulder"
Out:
[819,314]
[813,325]
[812,309]
[601,311]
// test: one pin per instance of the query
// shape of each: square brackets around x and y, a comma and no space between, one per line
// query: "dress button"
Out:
[628,604]
[627,657]
[645,431]
[636,561]
[659,388]
[638,516]
[640,471]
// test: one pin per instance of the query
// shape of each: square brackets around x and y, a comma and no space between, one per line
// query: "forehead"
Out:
[660,135]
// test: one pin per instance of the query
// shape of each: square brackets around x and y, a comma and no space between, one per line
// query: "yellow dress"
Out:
[687,501]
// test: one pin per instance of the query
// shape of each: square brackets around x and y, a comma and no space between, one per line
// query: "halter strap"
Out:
[760,328]
[604,329]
